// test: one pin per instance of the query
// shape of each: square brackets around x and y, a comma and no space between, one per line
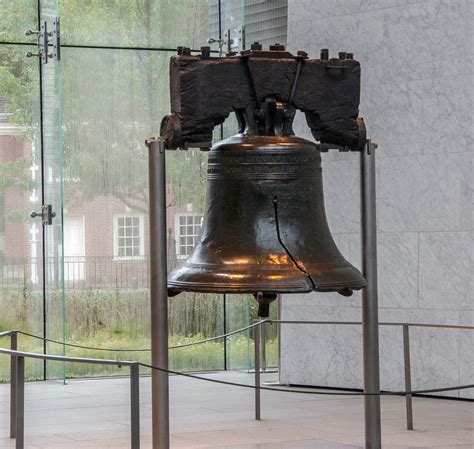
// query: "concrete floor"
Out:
[94,414]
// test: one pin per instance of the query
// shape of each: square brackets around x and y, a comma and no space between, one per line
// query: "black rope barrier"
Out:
[234,384]
[324,393]
[95,348]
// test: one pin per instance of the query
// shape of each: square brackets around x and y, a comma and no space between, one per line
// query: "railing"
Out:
[406,355]
[80,272]
[17,392]
[17,387]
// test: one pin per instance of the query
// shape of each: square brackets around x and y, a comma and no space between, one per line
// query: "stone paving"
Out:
[93,414]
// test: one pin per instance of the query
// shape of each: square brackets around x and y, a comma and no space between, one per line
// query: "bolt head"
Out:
[277,47]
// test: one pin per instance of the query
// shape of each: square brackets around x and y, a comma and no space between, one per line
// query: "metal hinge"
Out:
[46,214]
[228,45]
[45,39]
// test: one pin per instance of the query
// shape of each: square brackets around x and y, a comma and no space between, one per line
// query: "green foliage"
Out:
[119,319]
[112,100]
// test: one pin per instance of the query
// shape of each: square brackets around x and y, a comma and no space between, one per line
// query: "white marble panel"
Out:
[467,195]
[425,40]
[331,355]
[321,354]
[392,112]
[422,316]
[361,34]
[466,367]
[320,9]
[434,352]
[435,363]
[448,115]
[417,99]
[446,270]
[398,269]
[470,32]
[341,195]
[420,193]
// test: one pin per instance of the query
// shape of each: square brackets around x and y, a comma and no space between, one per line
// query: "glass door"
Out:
[24,247]
[53,188]
[73,167]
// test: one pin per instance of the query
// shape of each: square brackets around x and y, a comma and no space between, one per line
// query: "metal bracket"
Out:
[43,41]
[372,145]
[241,38]
[227,45]
[56,35]
[46,214]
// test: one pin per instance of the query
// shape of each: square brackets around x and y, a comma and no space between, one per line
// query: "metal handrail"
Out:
[386,323]
[62,358]
[18,369]
[17,387]
[228,334]
[406,352]
[92,348]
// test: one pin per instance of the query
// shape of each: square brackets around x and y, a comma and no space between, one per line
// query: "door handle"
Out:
[46,214]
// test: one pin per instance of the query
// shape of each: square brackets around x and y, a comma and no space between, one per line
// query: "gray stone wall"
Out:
[417,100]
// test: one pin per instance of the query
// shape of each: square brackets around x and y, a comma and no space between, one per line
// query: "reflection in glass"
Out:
[20,193]
[16,17]
[110,101]
[142,23]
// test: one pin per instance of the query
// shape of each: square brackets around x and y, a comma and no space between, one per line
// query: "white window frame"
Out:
[177,233]
[141,221]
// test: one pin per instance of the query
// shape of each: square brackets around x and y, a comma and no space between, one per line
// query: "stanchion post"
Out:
[257,371]
[224,322]
[20,404]
[159,294]
[135,405]
[407,363]
[370,320]
[263,345]
[13,383]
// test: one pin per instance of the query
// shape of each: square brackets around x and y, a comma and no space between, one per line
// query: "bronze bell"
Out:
[265,229]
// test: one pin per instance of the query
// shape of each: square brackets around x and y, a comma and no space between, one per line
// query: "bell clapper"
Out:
[264,300]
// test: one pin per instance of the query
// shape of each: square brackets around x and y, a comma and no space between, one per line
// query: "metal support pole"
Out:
[20,404]
[258,330]
[224,318]
[406,356]
[13,383]
[135,405]
[370,319]
[264,346]
[159,294]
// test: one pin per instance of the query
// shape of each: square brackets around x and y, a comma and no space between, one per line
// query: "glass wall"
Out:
[72,135]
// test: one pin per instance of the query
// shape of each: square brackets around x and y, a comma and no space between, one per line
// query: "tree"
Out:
[111,99]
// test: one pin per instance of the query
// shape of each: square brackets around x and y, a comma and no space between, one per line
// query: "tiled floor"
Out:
[94,414]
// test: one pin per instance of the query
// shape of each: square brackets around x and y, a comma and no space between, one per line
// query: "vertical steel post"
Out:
[135,405]
[370,319]
[257,371]
[20,404]
[224,318]
[13,383]
[159,294]
[264,346]
[407,363]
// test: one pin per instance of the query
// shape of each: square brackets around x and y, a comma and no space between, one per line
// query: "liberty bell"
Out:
[264,230]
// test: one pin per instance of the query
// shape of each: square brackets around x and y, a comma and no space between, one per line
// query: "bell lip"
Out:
[208,279]
[182,286]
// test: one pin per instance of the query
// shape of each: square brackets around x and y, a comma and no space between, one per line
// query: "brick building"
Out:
[105,241]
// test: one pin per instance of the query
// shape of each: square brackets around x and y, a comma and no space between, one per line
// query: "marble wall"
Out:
[417,100]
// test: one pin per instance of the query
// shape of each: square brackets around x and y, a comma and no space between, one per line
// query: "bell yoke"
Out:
[264,229]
